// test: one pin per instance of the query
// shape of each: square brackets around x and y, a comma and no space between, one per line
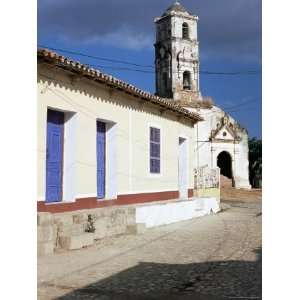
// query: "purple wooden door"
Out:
[54,156]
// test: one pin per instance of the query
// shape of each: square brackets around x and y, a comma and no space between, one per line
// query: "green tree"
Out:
[255,162]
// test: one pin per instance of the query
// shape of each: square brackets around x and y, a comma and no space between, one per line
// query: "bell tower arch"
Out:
[177,55]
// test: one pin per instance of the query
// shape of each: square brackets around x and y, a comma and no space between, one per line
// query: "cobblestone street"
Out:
[214,257]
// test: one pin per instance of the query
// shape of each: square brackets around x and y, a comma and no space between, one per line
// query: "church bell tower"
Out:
[177,55]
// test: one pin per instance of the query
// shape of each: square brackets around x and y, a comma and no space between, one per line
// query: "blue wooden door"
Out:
[100,160]
[55,131]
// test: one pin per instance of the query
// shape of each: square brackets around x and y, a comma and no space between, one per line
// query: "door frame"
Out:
[183,190]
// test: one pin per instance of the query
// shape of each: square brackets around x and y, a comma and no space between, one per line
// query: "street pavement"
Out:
[213,257]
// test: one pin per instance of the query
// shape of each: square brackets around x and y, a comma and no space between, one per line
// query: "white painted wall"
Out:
[162,214]
[111,185]
[128,166]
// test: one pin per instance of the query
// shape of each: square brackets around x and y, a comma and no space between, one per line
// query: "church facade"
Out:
[219,140]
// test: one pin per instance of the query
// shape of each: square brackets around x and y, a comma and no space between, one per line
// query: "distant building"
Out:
[219,139]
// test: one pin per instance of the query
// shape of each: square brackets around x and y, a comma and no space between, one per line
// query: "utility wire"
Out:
[242,104]
[233,109]
[95,57]
[247,72]
[176,72]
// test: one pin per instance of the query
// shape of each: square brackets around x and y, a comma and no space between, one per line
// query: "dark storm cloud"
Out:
[227,28]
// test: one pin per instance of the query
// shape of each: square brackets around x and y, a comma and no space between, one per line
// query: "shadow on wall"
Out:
[208,281]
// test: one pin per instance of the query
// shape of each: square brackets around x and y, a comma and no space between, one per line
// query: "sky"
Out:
[229,33]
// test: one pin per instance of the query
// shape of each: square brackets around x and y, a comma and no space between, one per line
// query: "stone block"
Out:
[121,229]
[55,235]
[63,219]
[131,211]
[100,233]
[73,229]
[80,218]
[130,217]
[44,218]
[107,211]
[117,218]
[101,228]
[117,222]
[138,228]
[76,241]
[116,230]
[45,233]
[45,248]
[100,213]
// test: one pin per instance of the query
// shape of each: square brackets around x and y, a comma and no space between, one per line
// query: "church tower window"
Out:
[185,31]
[186,80]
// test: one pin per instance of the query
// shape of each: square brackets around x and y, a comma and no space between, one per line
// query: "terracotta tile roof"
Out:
[96,75]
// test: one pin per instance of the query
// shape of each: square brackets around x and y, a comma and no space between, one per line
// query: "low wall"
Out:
[208,192]
[78,229]
[162,214]
[69,230]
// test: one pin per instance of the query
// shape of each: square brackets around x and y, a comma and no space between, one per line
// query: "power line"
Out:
[243,108]
[231,110]
[250,72]
[247,72]
[180,71]
[95,57]
[242,104]
[120,68]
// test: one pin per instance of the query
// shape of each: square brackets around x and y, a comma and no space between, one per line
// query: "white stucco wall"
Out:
[160,214]
[127,139]
[206,152]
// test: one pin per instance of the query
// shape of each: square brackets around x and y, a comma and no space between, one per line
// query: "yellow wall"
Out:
[91,101]
[208,192]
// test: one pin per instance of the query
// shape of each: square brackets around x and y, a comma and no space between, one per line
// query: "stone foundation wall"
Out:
[78,229]
[70,230]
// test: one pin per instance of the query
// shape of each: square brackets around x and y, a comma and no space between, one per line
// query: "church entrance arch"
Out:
[224,162]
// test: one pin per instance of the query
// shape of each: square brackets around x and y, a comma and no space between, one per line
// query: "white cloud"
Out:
[124,38]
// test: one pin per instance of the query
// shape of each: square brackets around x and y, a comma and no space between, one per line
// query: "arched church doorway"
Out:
[224,162]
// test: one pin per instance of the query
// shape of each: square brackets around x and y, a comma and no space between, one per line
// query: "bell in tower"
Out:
[177,55]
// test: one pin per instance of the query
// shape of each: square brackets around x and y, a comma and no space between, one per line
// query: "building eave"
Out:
[45,55]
